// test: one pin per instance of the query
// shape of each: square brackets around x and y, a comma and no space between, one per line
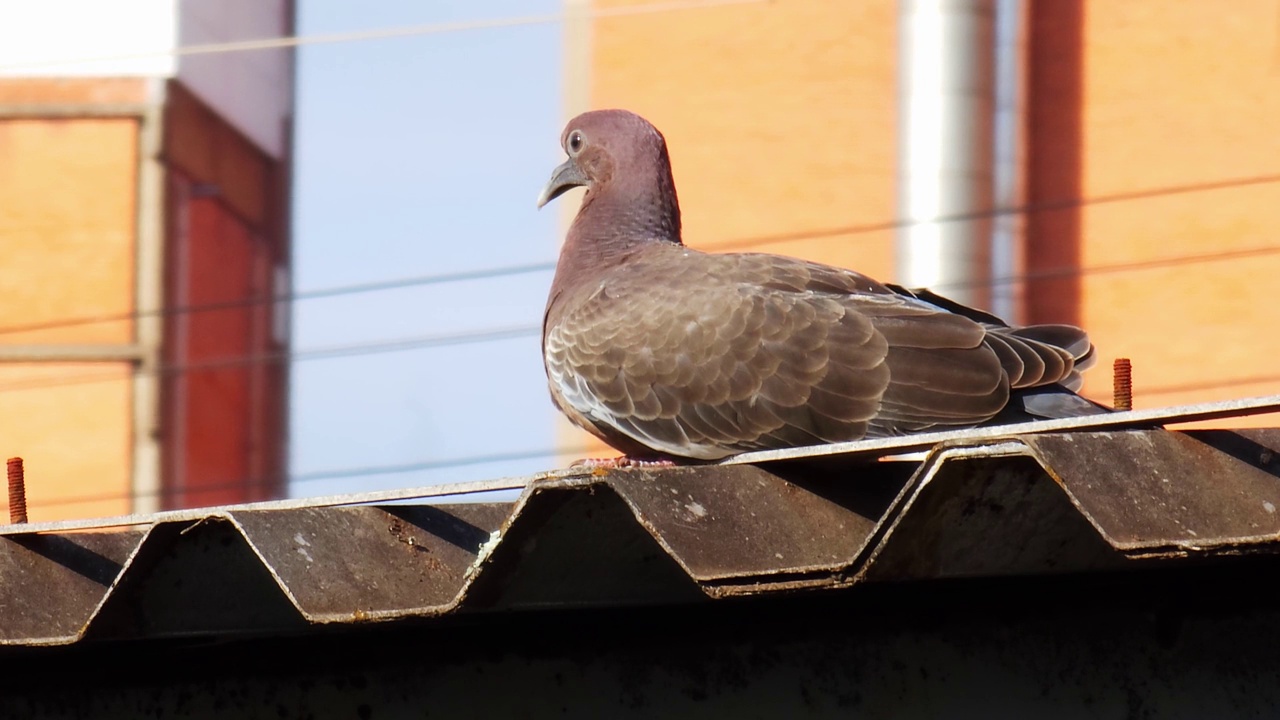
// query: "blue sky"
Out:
[417,156]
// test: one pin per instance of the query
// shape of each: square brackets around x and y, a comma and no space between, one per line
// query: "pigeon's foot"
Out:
[626,461]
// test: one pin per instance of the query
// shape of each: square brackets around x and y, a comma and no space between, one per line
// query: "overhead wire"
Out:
[518,331]
[322,353]
[320,475]
[335,291]
[736,244]
[494,458]
[386,33]
[1026,209]
[521,331]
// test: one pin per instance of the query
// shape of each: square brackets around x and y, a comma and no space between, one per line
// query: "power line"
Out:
[400,31]
[323,353]
[522,331]
[519,331]
[741,243]
[1062,272]
[340,290]
[1210,385]
[334,474]
[1046,206]
[525,331]
[517,455]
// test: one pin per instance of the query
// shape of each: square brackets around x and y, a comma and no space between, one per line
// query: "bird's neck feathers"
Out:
[632,210]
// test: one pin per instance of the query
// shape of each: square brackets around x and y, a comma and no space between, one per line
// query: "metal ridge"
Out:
[1017,505]
[1112,421]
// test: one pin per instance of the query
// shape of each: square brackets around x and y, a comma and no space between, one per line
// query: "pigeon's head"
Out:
[615,151]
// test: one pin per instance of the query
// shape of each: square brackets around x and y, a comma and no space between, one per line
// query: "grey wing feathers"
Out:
[764,352]
[722,372]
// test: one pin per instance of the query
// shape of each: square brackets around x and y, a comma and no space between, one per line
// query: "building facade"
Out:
[1147,168]
[145,234]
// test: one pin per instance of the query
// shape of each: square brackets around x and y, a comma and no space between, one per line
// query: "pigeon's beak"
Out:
[568,175]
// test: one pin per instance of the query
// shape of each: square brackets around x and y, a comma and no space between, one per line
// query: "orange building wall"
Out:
[1182,101]
[1152,140]
[74,90]
[779,117]
[67,229]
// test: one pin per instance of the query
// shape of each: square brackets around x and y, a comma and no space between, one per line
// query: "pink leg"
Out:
[626,461]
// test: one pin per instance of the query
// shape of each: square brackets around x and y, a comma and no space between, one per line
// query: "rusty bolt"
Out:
[17,492]
[1122,384]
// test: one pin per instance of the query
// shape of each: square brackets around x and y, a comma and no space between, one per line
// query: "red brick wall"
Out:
[225,391]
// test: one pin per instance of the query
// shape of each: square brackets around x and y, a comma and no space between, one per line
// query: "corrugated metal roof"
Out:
[978,504]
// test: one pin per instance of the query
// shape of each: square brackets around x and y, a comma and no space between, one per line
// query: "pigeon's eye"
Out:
[576,141]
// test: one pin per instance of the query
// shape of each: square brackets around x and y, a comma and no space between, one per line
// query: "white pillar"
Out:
[946,105]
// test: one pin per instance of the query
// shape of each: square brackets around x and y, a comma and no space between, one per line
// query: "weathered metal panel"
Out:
[1015,506]
[739,529]
[1130,419]
[576,546]
[51,586]
[743,521]
[1156,491]
[194,579]
[241,572]
[986,511]
[367,563]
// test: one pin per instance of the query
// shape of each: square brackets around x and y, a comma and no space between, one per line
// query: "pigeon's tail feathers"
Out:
[1067,337]
[1041,354]
[1052,393]
[1033,356]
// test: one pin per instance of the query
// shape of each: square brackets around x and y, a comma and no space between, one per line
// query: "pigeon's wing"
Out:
[712,370]
[939,376]
[706,356]
[943,373]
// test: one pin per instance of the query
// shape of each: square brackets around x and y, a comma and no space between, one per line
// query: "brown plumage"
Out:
[664,351]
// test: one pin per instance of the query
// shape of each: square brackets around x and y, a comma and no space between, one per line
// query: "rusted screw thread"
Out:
[1122,384]
[17,492]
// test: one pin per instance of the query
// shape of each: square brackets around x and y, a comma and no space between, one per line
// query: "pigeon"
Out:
[672,355]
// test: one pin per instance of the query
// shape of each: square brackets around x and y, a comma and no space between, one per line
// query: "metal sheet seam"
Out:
[1139,549]
[704,580]
[1112,421]
[928,470]
[97,608]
